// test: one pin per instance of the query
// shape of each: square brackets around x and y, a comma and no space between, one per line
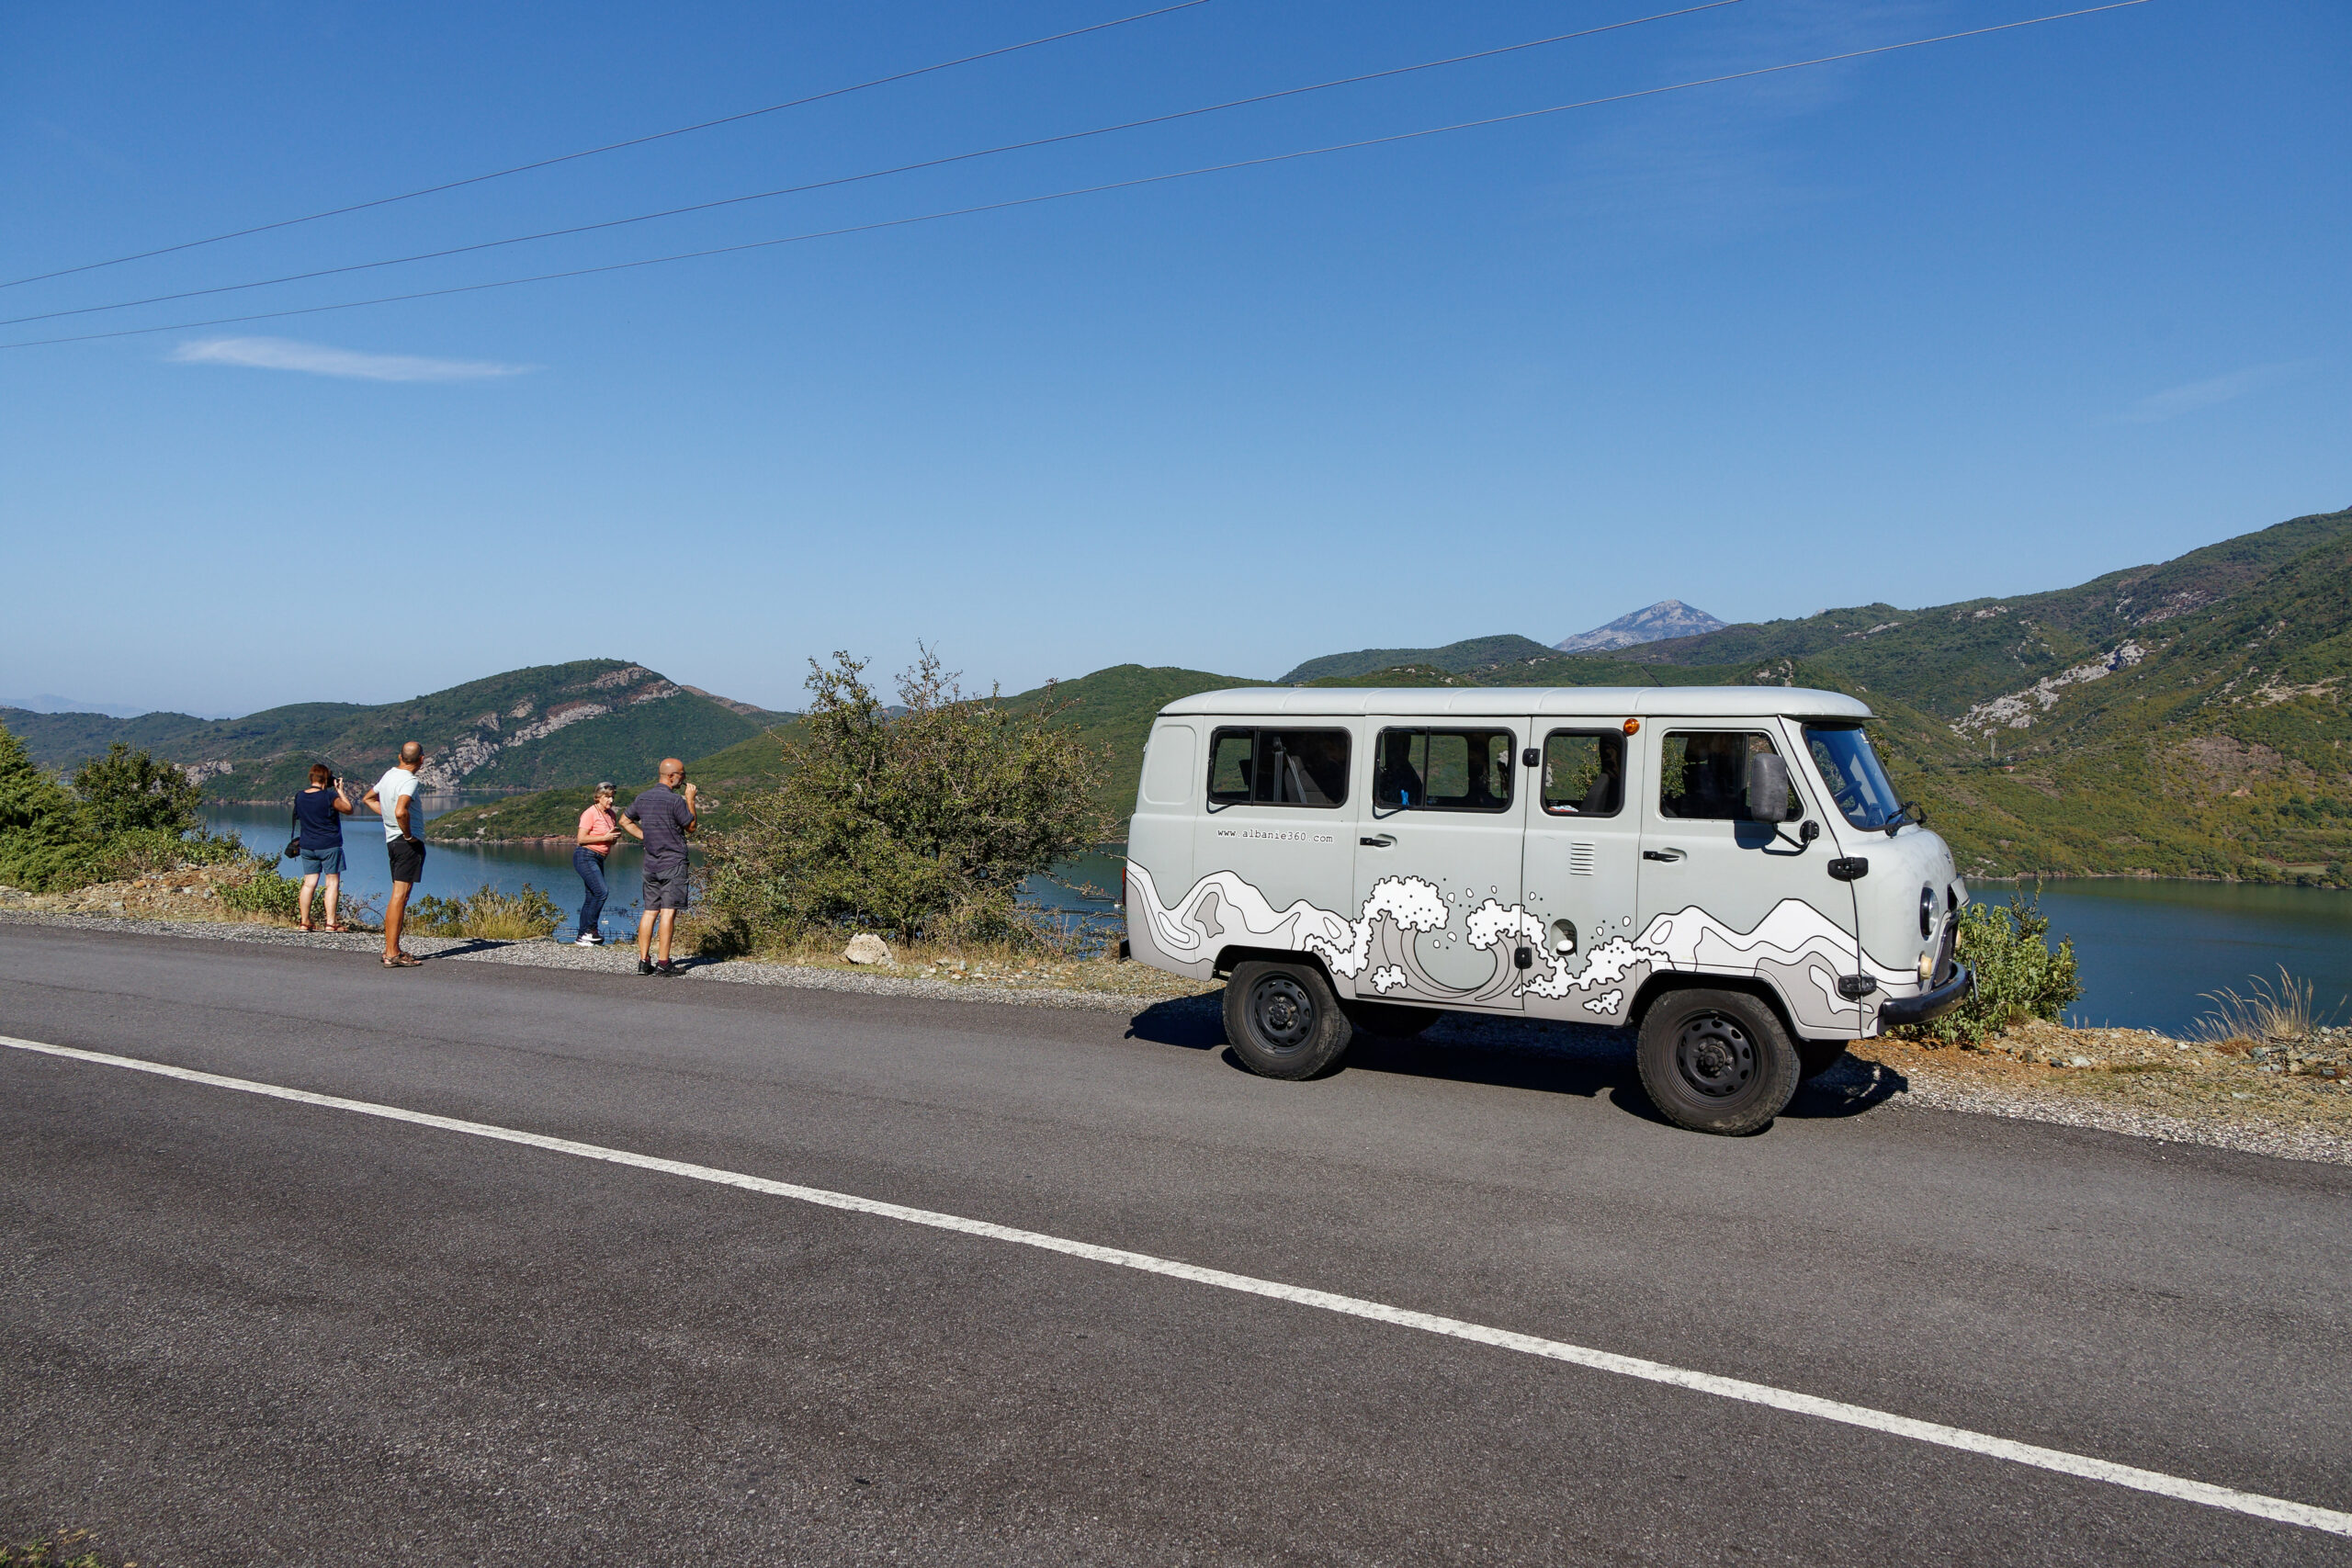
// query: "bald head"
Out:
[672,770]
[411,753]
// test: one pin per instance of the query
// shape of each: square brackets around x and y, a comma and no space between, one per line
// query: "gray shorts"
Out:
[327,862]
[665,887]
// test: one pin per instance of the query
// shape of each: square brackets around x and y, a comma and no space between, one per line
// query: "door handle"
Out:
[1379,841]
[1661,854]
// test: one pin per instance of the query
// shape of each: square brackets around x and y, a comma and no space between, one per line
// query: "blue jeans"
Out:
[591,867]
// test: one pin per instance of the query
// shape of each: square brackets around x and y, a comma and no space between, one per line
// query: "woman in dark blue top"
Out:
[318,817]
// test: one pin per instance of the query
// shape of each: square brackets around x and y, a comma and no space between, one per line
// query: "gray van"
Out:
[1725,869]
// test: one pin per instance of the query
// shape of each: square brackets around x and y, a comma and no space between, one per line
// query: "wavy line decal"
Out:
[1796,947]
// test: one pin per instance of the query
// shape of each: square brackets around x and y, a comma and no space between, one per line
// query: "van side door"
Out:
[1437,864]
[1730,887]
[1583,861]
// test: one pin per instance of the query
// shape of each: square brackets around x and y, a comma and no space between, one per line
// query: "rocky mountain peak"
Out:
[1666,618]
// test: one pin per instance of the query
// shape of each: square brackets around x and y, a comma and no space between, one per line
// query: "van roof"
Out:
[1686,702]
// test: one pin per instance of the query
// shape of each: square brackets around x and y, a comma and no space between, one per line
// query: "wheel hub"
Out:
[1715,1056]
[1282,1012]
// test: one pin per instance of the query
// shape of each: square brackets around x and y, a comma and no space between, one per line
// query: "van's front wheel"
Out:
[1283,1021]
[1718,1061]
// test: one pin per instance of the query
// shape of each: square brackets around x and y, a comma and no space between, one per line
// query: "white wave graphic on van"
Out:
[1796,946]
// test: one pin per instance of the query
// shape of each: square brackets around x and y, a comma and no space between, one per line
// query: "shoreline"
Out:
[2151,876]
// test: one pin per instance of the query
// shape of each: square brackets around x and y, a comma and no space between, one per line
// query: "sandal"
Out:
[332,928]
[308,927]
[404,962]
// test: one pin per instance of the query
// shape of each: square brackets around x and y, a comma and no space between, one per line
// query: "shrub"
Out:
[2018,975]
[920,822]
[485,914]
[264,893]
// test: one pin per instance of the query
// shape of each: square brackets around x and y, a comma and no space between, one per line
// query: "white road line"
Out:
[2058,1459]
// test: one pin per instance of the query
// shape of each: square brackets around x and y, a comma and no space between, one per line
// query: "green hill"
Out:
[753,762]
[529,728]
[2183,718]
[1483,654]
[1113,708]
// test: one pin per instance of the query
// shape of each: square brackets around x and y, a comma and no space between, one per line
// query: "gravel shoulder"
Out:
[2116,1080]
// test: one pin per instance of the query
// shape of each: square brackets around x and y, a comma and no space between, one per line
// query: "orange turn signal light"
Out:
[1632,726]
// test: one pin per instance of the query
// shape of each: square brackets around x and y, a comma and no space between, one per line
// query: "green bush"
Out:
[2019,975]
[485,914]
[264,893]
[921,821]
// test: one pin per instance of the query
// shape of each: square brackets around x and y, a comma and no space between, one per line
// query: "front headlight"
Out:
[1926,913]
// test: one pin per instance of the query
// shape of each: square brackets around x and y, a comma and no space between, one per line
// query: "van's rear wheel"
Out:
[1390,1021]
[1283,1021]
[1718,1061]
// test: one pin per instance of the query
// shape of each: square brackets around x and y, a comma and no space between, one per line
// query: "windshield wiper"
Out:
[1904,812]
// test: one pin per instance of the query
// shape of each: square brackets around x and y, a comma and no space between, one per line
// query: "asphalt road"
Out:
[245,1331]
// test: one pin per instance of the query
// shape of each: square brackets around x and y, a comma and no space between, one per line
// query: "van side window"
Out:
[1584,772]
[1443,770]
[1279,767]
[1702,776]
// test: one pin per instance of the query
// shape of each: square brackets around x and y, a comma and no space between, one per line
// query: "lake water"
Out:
[453,869]
[2148,949]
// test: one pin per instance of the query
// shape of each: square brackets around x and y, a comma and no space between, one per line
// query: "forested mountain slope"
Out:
[1111,709]
[2187,718]
[559,723]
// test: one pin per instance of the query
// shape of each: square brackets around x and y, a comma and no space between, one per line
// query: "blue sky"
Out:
[1982,318]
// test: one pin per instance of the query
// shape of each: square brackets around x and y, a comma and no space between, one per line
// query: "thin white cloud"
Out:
[318,359]
[2175,401]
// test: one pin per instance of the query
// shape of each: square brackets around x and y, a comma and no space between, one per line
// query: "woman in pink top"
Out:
[599,831]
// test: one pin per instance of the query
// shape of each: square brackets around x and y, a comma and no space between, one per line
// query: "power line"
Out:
[1089,190]
[870,174]
[607,147]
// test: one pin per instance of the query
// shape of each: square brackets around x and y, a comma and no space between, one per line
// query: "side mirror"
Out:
[1767,788]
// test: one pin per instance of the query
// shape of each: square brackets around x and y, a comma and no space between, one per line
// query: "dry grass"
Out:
[2263,1012]
[486,915]
[60,1549]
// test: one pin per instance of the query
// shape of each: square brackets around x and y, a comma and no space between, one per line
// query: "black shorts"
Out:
[665,887]
[407,860]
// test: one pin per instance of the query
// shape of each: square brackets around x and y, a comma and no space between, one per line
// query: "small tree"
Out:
[922,820]
[38,841]
[127,791]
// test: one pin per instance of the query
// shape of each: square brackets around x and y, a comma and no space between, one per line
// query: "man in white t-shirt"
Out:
[394,796]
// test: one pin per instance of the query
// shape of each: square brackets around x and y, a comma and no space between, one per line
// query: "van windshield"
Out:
[1851,771]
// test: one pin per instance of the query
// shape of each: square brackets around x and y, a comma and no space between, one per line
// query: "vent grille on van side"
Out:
[1580,859]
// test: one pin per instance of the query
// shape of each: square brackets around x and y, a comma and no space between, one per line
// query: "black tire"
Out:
[1817,1056]
[1390,1021]
[1718,1061]
[1283,1021]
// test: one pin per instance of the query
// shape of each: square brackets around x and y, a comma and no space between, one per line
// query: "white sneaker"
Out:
[588,941]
